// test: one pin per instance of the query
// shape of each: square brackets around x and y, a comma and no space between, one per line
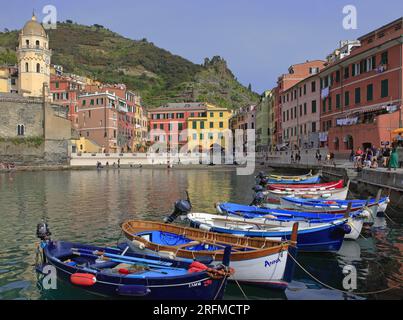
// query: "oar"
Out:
[123,261]
[146,267]
[126,258]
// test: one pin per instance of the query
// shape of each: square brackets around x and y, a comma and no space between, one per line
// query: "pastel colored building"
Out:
[8,79]
[169,123]
[209,130]
[301,114]
[361,94]
[244,119]
[288,99]
[265,121]
[100,120]
[64,91]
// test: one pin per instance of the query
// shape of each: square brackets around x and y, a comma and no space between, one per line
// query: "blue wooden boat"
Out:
[118,272]
[334,206]
[252,212]
[303,180]
[312,237]
[355,219]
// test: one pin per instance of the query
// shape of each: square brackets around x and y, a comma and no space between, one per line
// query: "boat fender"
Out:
[204,227]
[198,265]
[365,213]
[218,207]
[83,279]
[139,244]
[133,290]
[124,271]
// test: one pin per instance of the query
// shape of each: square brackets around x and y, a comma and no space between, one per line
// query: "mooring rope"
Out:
[343,291]
[240,288]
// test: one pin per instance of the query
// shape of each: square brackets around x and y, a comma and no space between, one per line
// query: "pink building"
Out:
[171,120]
[100,120]
[298,105]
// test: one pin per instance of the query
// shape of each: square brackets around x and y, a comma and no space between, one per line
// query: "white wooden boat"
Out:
[256,261]
[274,196]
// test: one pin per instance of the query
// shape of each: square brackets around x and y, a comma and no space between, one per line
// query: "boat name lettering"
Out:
[268,264]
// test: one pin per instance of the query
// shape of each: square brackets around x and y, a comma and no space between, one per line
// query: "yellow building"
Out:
[208,130]
[33,55]
[4,79]
[83,145]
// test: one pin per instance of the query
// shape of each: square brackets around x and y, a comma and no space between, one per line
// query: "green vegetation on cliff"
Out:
[158,75]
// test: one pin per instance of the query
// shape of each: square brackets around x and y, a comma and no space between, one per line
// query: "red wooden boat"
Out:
[308,187]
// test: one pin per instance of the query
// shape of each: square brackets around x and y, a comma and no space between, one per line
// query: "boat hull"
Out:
[256,261]
[338,207]
[307,187]
[321,238]
[310,180]
[268,271]
[196,286]
[355,221]
[274,196]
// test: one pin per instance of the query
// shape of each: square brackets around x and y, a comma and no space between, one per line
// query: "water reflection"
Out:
[88,206]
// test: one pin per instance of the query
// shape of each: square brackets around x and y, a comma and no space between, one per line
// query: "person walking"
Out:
[394,158]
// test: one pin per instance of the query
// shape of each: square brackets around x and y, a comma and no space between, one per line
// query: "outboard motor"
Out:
[258,200]
[181,208]
[258,188]
[264,182]
[42,231]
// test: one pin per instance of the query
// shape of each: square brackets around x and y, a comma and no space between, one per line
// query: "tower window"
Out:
[27,43]
[20,130]
[26,67]
[38,68]
[37,43]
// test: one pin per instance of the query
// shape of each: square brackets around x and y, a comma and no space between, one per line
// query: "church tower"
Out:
[33,56]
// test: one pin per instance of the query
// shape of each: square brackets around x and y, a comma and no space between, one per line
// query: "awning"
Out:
[389,108]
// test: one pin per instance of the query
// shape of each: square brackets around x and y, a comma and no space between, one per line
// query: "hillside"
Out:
[158,75]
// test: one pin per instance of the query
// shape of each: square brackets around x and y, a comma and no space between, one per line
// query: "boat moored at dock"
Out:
[257,261]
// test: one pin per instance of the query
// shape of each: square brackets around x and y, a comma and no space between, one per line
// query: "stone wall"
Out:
[34,148]
[15,111]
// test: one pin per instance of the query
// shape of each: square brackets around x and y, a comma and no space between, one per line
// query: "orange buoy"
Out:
[83,279]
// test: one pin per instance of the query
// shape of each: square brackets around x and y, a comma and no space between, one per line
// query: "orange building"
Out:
[361,94]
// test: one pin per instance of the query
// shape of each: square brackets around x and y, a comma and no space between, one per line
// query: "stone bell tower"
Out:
[33,56]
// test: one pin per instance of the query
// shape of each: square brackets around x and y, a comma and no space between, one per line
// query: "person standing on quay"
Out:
[394,158]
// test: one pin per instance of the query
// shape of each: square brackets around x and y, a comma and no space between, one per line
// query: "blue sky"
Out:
[259,39]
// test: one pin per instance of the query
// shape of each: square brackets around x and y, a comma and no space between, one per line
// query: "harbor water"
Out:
[88,206]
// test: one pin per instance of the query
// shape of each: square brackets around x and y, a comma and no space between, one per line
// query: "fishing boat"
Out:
[294,180]
[257,261]
[307,187]
[355,219]
[274,196]
[118,272]
[312,237]
[334,206]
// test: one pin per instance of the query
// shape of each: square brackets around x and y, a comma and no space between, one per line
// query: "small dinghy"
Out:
[307,187]
[355,219]
[257,261]
[312,237]
[118,272]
